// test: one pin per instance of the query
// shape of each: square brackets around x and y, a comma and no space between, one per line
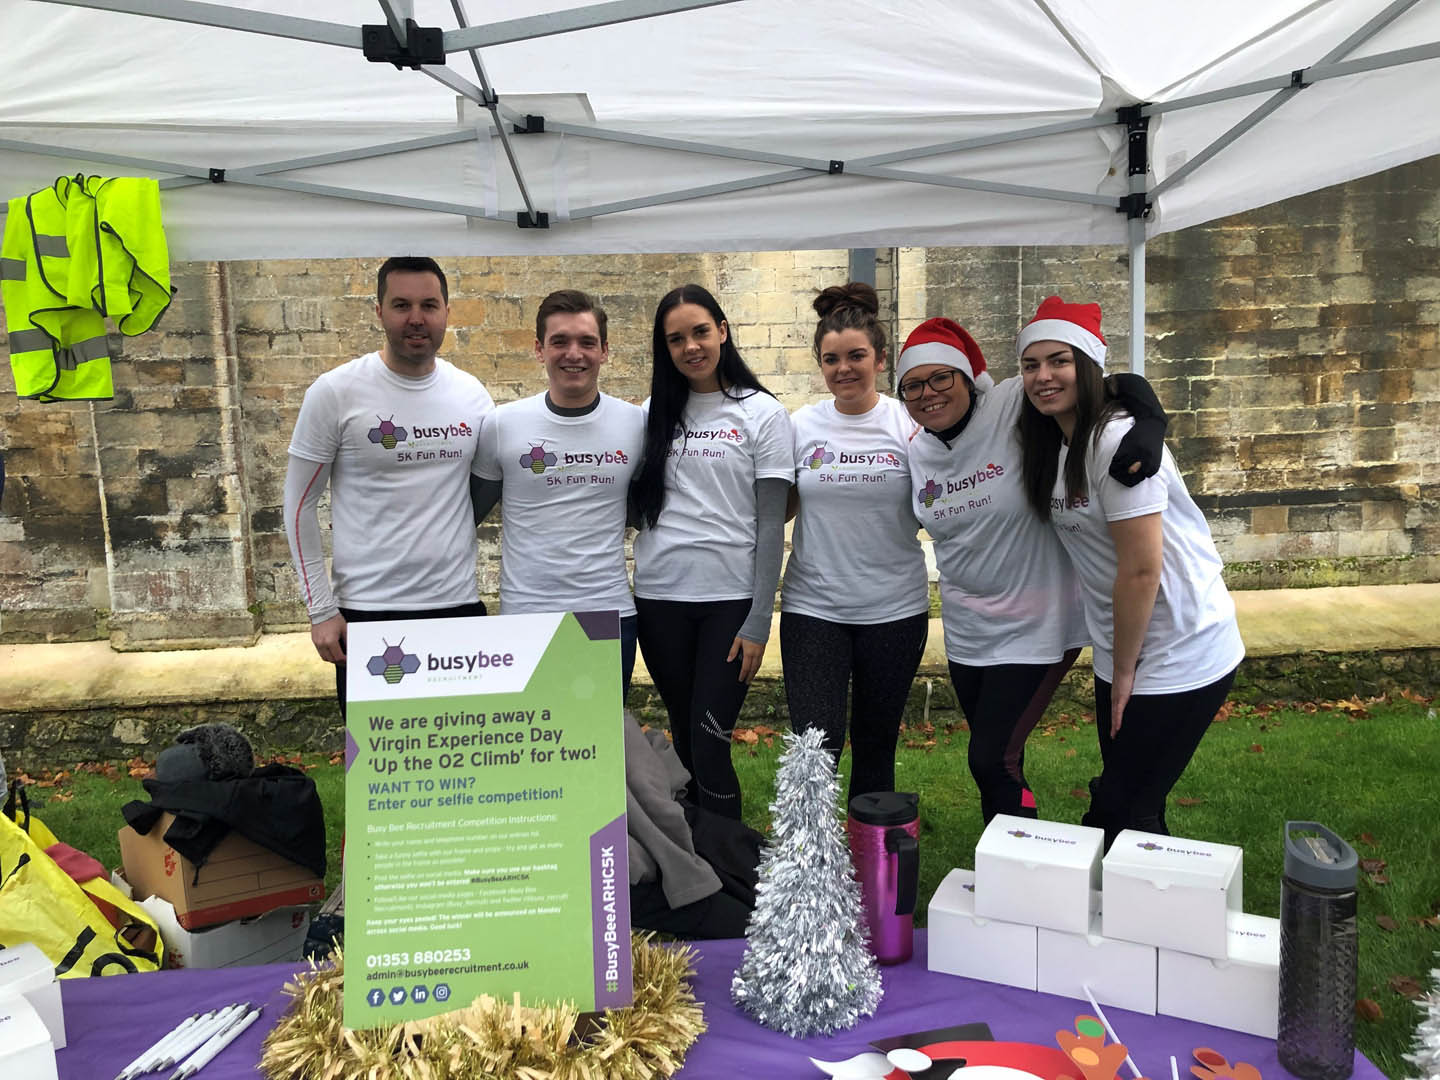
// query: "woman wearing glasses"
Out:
[1010,604]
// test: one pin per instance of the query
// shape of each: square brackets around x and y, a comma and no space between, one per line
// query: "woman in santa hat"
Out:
[1009,603]
[842,624]
[1159,617]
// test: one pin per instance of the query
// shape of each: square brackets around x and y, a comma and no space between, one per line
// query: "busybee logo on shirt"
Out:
[541,458]
[689,434]
[390,435]
[968,485]
[817,456]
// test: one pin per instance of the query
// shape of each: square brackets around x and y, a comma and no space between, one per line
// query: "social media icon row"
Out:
[419,994]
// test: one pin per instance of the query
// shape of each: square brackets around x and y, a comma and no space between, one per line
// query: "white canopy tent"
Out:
[711,125]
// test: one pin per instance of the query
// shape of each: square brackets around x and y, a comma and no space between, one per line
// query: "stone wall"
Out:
[1296,347]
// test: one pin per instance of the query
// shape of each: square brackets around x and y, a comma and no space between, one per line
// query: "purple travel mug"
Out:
[884,827]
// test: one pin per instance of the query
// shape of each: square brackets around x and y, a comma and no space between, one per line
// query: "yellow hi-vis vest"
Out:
[84,248]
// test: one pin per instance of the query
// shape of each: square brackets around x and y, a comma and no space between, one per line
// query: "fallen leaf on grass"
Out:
[62,796]
[1385,922]
[139,771]
[1366,838]
[1379,879]
[1189,802]
[1352,706]
[1070,752]
[1366,1009]
[746,735]
[1079,793]
[1256,748]
[1372,866]
[1406,986]
[1430,921]
[1414,698]
[1225,712]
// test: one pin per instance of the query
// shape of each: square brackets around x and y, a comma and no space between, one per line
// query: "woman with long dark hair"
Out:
[710,500]
[855,609]
[1008,600]
[1160,620]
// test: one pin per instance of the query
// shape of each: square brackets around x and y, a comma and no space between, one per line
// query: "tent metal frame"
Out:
[471,38]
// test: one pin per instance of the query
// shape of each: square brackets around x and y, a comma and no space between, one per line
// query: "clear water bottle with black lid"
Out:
[1319,954]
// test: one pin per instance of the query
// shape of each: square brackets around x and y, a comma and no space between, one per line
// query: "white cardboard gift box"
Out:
[963,943]
[27,972]
[1240,992]
[1171,892]
[1040,872]
[276,936]
[1119,973]
[25,1047]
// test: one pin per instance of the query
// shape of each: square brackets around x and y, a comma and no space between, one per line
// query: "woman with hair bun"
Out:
[1160,619]
[854,611]
[710,500]
[1009,602]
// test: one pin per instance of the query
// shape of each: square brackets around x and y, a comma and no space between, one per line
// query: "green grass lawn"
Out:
[1366,772]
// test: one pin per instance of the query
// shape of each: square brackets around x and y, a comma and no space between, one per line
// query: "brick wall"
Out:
[1295,346]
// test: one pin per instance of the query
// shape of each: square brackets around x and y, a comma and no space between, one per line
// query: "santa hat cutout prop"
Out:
[942,341]
[1077,325]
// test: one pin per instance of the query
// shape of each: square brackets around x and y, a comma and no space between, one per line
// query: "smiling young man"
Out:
[393,435]
[563,461]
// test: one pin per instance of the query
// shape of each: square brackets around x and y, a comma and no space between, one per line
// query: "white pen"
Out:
[196,1036]
[1106,1021]
[157,1055]
[202,1057]
[182,1060]
[133,1069]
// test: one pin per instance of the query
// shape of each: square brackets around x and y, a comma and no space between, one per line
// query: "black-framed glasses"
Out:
[940,381]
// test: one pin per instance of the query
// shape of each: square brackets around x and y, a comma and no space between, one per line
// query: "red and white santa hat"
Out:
[1077,325]
[943,341]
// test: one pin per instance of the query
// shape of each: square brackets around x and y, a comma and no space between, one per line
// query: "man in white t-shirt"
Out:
[393,434]
[564,459]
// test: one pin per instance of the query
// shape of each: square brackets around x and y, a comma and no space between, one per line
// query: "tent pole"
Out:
[1136,207]
[567,21]
[1135,229]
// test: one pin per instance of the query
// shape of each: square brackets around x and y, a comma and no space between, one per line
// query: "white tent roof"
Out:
[777,89]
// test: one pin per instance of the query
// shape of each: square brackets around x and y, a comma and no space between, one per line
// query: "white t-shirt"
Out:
[1007,594]
[400,451]
[854,554]
[1192,638]
[703,546]
[566,479]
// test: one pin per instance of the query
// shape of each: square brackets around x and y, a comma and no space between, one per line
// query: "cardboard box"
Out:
[1240,992]
[27,972]
[963,943]
[1171,892]
[272,938]
[1119,973]
[240,879]
[25,1047]
[1045,873]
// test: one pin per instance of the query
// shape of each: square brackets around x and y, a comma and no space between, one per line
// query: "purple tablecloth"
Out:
[110,1020]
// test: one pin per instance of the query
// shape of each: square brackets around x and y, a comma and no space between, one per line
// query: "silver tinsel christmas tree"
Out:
[806,969]
[1426,1055]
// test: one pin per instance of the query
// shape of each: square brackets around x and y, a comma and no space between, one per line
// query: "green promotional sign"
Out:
[485,815]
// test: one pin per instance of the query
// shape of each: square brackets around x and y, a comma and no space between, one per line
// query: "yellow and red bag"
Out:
[88,928]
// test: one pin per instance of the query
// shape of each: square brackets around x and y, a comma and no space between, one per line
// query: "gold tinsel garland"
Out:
[491,1039]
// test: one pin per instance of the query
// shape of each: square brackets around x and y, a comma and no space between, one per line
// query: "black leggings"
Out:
[1159,733]
[823,659]
[1002,704]
[685,644]
[459,611]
